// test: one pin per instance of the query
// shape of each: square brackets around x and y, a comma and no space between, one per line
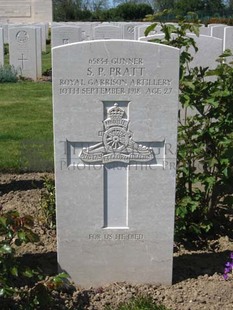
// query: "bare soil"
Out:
[197,276]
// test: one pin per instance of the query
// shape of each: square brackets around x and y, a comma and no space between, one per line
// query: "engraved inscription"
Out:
[116,76]
[117,142]
[115,237]
[16,10]
[130,29]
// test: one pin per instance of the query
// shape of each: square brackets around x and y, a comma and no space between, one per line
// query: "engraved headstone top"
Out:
[115,125]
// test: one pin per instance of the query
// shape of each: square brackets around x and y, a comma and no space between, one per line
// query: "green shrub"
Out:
[6,49]
[8,74]
[15,230]
[205,138]
[47,206]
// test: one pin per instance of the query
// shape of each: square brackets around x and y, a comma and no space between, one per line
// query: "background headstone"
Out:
[209,49]
[107,32]
[43,35]
[218,31]
[1,47]
[205,31]
[228,38]
[25,50]
[115,122]
[66,34]
[129,31]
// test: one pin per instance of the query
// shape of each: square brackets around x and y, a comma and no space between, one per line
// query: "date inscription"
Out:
[116,76]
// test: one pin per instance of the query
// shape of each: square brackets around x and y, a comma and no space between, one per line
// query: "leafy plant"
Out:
[39,296]
[205,136]
[47,207]
[8,74]
[15,230]
[140,303]
[6,49]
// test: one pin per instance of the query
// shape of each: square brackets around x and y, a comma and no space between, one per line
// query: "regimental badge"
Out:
[117,142]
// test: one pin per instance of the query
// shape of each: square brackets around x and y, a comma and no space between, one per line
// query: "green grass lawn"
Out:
[46,59]
[26,126]
[26,133]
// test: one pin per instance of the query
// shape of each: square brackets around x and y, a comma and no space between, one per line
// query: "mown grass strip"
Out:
[26,132]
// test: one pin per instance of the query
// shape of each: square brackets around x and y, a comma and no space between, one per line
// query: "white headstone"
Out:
[228,38]
[43,35]
[65,34]
[5,32]
[1,47]
[115,121]
[39,39]
[151,37]
[129,31]
[218,31]
[209,49]
[25,51]
[107,32]
[205,31]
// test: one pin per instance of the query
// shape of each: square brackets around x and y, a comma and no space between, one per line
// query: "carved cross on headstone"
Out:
[22,59]
[116,153]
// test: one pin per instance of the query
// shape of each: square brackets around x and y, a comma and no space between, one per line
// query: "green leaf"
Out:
[6,249]
[60,276]
[225,172]
[226,53]
[22,235]
[3,221]
[30,236]
[28,273]
[213,102]
[150,28]
[14,271]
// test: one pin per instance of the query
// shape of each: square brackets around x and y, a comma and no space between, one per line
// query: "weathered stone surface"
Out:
[26,11]
[25,50]
[115,123]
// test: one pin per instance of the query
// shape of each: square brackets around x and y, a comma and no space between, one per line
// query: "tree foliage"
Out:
[205,138]
[210,7]
[74,10]
[133,11]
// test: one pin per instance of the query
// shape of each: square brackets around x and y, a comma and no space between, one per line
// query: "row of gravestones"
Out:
[115,122]
[115,137]
[25,45]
